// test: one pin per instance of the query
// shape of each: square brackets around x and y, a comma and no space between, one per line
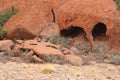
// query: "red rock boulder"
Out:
[29,23]
[86,14]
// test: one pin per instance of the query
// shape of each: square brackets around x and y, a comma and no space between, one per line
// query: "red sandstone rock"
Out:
[33,17]
[6,44]
[50,30]
[73,59]
[41,48]
[30,23]
[86,14]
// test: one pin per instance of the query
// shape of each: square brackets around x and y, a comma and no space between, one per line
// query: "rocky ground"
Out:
[23,71]
[54,58]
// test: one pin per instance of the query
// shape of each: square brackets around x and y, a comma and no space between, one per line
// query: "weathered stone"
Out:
[43,50]
[65,51]
[74,50]
[19,41]
[49,54]
[50,30]
[2,54]
[81,13]
[30,23]
[37,59]
[6,44]
[73,59]
[29,54]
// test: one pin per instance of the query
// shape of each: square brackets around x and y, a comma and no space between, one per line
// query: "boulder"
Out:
[75,50]
[6,45]
[50,30]
[82,14]
[49,54]
[73,59]
[30,22]
[32,18]
[46,51]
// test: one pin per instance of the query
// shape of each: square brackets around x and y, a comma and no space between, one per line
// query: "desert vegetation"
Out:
[5,15]
[118,4]
[34,45]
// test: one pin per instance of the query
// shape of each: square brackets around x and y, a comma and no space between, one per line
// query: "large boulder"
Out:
[32,18]
[29,23]
[6,45]
[50,30]
[115,38]
[86,14]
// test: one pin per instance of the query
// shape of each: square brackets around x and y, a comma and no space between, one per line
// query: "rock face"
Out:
[38,16]
[86,14]
[28,24]
[6,44]
[50,30]
[115,37]
[33,17]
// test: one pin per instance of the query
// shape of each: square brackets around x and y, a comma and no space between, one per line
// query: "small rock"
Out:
[49,54]
[37,59]
[75,50]
[6,44]
[65,51]
[16,50]
[73,59]
[2,54]
[19,41]
[37,39]
[30,54]
[92,62]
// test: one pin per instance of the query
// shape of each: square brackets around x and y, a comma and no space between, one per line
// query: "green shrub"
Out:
[60,40]
[114,57]
[118,4]
[6,14]
[3,32]
[100,48]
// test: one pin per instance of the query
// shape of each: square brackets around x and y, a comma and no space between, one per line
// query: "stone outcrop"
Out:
[32,18]
[86,14]
[47,52]
[6,45]
[28,24]
[35,17]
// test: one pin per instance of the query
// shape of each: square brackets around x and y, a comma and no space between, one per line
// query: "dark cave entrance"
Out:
[73,31]
[99,31]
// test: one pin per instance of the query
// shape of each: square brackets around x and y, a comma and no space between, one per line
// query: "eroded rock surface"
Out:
[35,16]
[86,14]
[28,24]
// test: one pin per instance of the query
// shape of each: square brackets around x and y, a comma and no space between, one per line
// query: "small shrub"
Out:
[83,46]
[114,57]
[6,14]
[60,40]
[101,47]
[118,4]
[53,58]
[48,68]
[2,31]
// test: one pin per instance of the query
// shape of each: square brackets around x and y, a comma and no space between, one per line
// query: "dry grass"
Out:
[48,68]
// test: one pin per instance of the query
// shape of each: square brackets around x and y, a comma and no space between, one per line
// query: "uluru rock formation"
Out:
[30,22]
[91,16]
[87,14]
[33,17]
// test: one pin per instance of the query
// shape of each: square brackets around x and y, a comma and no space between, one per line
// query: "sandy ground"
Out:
[29,71]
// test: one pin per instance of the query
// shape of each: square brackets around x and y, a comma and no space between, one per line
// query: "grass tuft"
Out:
[48,68]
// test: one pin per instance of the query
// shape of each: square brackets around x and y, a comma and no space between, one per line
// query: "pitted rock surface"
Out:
[86,14]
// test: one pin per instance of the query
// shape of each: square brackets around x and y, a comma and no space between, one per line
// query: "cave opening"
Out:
[99,31]
[72,31]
